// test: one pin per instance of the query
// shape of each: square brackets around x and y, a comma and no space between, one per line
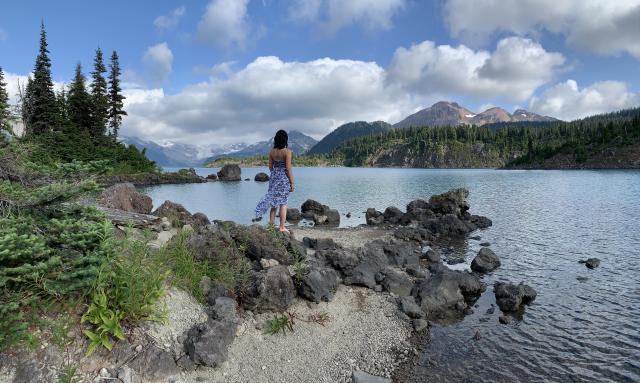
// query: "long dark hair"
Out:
[281,140]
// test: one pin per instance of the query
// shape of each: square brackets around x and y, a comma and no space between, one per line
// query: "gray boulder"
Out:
[154,364]
[591,263]
[311,207]
[417,234]
[333,217]
[212,177]
[318,284]
[261,177]
[510,297]
[125,197]
[409,306]
[356,267]
[395,281]
[293,215]
[444,295]
[374,217]
[270,290]
[392,215]
[207,343]
[485,261]
[230,172]
[430,255]
[175,212]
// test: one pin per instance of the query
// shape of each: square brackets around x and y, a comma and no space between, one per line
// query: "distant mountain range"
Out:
[445,113]
[346,132]
[171,154]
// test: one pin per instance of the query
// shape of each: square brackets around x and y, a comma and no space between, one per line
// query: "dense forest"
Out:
[508,145]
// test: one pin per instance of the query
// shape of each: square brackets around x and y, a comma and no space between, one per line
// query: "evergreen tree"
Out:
[79,102]
[115,97]
[5,113]
[42,116]
[63,107]
[26,102]
[99,97]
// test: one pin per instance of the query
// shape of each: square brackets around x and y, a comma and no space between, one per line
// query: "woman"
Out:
[280,183]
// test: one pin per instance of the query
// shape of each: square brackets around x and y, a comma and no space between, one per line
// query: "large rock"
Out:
[356,267]
[319,213]
[311,207]
[417,234]
[398,253]
[395,281]
[293,215]
[207,343]
[318,284]
[261,177]
[392,215]
[510,297]
[230,172]
[448,225]
[452,202]
[261,244]
[445,294]
[485,261]
[126,197]
[374,217]
[154,364]
[270,290]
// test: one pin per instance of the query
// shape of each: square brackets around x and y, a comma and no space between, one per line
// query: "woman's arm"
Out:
[270,162]
[289,170]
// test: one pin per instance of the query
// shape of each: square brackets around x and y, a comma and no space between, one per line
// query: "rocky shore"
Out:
[183,176]
[320,305]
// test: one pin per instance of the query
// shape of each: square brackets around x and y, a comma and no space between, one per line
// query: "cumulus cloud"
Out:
[170,21]
[600,26]
[14,80]
[158,62]
[268,94]
[568,102]
[516,68]
[225,23]
[333,15]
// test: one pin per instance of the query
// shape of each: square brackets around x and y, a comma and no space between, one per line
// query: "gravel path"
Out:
[363,333]
[347,237]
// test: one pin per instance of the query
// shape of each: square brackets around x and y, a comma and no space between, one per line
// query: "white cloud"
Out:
[568,102]
[512,72]
[14,80]
[600,26]
[333,15]
[268,94]
[225,23]
[166,22]
[158,62]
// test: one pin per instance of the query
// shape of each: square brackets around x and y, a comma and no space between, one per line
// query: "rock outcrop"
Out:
[510,297]
[125,197]
[261,177]
[320,214]
[230,172]
[485,261]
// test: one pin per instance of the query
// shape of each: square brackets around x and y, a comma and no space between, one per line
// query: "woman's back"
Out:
[279,154]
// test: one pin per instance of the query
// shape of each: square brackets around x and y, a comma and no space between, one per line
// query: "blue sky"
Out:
[223,71]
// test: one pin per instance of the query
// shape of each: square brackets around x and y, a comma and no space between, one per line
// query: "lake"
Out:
[577,330]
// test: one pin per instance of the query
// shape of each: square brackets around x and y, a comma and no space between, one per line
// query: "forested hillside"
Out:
[578,142]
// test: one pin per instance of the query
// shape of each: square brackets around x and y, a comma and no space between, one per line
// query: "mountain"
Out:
[299,143]
[346,132]
[445,113]
[170,154]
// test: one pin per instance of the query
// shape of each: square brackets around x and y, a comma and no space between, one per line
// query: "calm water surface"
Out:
[543,223]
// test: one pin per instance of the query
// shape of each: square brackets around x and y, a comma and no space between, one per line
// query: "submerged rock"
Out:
[510,297]
[230,172]
[591,263]
[485,261]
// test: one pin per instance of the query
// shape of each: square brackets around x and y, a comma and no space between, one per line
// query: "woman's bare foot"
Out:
[284,230]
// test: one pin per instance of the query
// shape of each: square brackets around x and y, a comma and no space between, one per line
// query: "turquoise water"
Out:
[544,222]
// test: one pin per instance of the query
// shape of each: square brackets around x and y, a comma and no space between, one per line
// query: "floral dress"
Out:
[278,193]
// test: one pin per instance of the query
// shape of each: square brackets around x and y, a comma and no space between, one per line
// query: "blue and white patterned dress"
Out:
[278,193]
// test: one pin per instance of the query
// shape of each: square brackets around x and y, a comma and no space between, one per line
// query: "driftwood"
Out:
[125,218]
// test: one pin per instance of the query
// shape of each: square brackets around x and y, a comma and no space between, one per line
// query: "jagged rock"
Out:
[485,261]
[416,271]
[363,377]
[175,212]
[230,172]
[392,215]
[357,267]
[374,217]
[318,284]
[395,281]
[212,177]
[448,225]
[311,206]
[319,213]
[260,244]
[216,291]
[261,177]
[409,306]
[208,343]
[293,215]
[270,290]
[417,234]
[592,263]
[452,202]
[126,197]
[154,364]
[480,221]
[430,255]
[225,309]
[333,217]
[510,297]
[399,253]
[444,294]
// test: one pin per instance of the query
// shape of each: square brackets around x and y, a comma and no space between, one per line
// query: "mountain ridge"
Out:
[346,132]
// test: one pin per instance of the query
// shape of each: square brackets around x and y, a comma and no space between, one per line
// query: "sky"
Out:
[228,71]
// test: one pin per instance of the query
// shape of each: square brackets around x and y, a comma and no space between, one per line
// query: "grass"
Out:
[281,323]
[69,374]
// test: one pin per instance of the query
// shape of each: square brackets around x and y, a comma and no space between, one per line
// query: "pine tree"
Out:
[26,102]
[5,113]
[63,107]
[79,102]
[42,116]
[99,97]
[115,97]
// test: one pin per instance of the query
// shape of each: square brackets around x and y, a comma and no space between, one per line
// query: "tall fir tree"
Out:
[63,107]
[5,112]
[42,116]
[116,105]
[79,102]
[99,97]
[26,105]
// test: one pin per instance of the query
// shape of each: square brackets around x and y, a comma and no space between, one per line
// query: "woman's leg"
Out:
[272,216]
[283,217]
